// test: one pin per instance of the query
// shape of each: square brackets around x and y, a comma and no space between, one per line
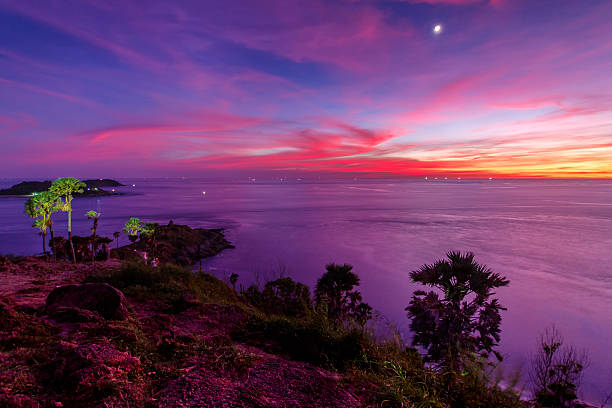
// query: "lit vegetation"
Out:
[65,188]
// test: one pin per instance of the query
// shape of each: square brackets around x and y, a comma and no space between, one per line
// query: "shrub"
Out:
[282,296]
[168,283]
[313,339]
[335,292]
[557,371]
[463,325]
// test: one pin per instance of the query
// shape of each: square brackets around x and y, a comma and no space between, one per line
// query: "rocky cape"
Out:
[93,189]
[69,340]
[177,244]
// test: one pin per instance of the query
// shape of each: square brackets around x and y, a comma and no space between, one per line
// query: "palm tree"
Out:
[43,205]
[65,187]
[132,228]
[336,290]
[116,235]
[93,215]
[464,323]
[149,231]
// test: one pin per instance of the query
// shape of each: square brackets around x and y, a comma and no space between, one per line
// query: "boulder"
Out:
[100,298]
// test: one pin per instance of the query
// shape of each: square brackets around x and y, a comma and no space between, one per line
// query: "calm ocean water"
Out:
[552,239]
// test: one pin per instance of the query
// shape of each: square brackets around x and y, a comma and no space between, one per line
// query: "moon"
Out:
[437,29]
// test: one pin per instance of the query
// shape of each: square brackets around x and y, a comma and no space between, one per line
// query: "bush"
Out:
[282,296]
[168,283]
[313,339]
[336,293]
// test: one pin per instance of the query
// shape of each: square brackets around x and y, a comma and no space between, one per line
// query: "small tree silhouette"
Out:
[233,279]
[464,323]
[335,289]
[149,235]
[556,371]
[116,235]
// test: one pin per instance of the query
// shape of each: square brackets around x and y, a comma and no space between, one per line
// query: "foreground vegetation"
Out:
[450,363]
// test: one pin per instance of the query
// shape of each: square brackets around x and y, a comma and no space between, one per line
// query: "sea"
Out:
[551,238]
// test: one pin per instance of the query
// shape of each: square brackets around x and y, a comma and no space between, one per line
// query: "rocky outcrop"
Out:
[178,244]
[85,302]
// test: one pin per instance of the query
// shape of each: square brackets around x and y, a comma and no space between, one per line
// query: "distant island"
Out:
[93,189]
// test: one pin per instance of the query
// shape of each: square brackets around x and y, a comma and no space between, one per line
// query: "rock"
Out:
[100,298]
[89,372]
[72,315]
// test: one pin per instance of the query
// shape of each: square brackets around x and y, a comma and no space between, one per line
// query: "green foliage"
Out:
[41,206]
[65,188]
[463,325]
[91,214]
[335,292]
[132,228]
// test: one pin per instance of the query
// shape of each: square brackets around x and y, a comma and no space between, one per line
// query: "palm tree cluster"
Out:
[58,197]
[41,207]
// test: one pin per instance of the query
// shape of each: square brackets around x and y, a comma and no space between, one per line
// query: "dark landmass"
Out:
[178,244]
[26,188]
[102,183]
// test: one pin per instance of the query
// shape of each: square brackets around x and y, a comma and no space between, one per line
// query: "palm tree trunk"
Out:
[70,236]
[93,242]
[51,244]
[44,237]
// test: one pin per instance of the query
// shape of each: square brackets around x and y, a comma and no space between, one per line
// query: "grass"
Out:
[389,373]
[168,284]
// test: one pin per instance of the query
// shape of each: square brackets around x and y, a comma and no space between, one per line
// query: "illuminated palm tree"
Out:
[65,187]
[132,228]
[43,205]
[93,215]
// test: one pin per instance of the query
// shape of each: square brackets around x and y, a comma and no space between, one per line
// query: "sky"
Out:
[108,88]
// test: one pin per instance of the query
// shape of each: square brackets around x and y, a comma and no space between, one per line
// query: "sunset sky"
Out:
[110,88]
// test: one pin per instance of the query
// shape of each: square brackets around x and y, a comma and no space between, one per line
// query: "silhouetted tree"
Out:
[335,289]
[64,188]
[149,234]
[557,371]
[116,235]
[93,215]
[464,322]
[233,279]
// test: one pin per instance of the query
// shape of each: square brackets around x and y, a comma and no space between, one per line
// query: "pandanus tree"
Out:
[132,228]
[41,206]
[459,323]
[93,215]
[65,188]
[336,289]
